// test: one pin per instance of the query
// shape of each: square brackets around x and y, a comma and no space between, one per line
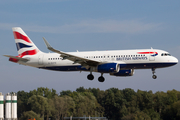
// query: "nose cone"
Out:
[174,60]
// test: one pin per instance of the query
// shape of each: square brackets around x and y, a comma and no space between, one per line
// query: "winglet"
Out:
[47,44]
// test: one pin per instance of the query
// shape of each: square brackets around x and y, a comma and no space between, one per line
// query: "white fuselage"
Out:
[128,59]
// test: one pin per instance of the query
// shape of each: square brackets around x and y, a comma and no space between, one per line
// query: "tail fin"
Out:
[23,43]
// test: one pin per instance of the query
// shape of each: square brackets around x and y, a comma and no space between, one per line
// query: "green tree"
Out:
[141,116]
[30,115]
[81,89]
[38,104]
[22,99]
[65,93]
[49,109]
[172,112]
[63,106]
[172,96]
[160,101]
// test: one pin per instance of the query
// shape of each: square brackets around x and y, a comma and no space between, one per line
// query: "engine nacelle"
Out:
[129,72]
[108,68]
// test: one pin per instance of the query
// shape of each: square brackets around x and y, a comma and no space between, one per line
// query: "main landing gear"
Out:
[100,79]
[91,77]
[153,71]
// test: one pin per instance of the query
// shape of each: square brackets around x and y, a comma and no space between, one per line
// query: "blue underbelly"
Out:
[123,66]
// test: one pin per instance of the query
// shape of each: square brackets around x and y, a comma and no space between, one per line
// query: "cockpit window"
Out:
[165,54]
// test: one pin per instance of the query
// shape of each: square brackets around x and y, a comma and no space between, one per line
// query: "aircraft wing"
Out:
[18,58]
[74,58]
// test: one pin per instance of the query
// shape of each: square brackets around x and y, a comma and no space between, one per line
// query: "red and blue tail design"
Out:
[23,43]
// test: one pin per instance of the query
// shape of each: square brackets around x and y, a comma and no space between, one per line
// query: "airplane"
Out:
[115,62]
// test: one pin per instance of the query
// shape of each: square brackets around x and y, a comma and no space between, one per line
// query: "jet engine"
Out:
[108,68]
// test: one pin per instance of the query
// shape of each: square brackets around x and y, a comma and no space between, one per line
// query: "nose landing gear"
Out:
[153,71]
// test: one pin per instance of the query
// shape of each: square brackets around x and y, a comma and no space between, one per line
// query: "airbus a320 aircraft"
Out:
[116,63]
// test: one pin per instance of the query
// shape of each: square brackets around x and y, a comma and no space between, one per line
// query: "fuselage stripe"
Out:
[147,53]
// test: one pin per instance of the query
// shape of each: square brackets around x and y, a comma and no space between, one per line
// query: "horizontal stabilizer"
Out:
[18,58]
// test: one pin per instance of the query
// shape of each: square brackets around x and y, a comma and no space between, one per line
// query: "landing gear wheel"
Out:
[101,79]
[90,77]
[153,71]
[154,76]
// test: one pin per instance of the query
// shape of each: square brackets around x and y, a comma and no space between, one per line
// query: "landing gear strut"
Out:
[101,78]
[153,71]
[90,76]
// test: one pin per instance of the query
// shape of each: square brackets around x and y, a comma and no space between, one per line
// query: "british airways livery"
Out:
[116,63]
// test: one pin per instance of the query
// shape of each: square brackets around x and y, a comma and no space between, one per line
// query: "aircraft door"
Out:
[40,59]
[152,57]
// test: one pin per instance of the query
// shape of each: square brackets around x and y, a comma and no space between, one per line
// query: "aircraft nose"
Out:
[175,60]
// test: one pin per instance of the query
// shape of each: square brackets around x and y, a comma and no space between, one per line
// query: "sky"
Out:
[90,25]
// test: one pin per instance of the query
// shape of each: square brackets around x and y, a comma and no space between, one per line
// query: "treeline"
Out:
[113,103]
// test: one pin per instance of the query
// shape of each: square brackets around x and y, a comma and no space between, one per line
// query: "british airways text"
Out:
[131,58]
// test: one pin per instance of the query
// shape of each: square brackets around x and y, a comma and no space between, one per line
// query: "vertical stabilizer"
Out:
[23,43]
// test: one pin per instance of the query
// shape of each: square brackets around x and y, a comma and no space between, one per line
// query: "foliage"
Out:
[112,103]
[30,115]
